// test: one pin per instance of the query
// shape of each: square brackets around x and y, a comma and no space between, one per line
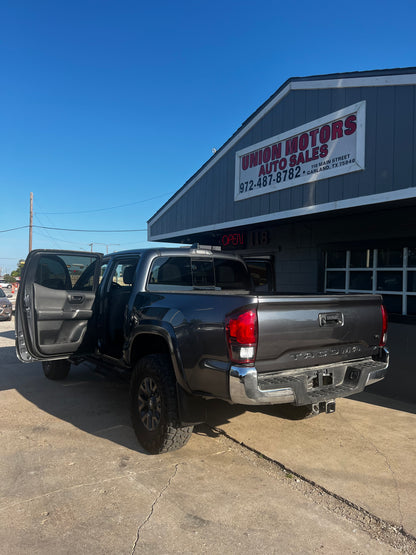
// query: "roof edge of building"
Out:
[380,77]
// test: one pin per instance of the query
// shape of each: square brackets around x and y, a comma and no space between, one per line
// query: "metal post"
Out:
[31,222]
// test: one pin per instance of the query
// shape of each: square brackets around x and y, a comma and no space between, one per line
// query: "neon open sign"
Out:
[232,240]
[245,239]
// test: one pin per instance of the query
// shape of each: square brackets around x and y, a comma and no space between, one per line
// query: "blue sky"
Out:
[108,107]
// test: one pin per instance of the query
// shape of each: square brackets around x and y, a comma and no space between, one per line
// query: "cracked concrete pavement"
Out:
[73,478]
[364,452]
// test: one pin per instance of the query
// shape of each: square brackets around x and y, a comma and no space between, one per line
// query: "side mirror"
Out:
[9,295]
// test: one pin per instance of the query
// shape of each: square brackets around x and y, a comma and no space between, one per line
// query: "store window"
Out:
[388,271]
[261,272]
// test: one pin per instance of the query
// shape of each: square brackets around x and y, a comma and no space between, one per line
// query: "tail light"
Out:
[383,337]
[241,332]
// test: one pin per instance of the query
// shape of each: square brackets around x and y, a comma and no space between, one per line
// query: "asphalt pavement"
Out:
[73,478]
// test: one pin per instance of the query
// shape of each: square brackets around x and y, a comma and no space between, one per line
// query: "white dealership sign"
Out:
[326,147]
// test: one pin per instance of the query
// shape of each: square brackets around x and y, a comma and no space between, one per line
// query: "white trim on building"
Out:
[390,196]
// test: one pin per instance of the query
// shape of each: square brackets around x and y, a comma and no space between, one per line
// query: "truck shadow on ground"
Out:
[7,335]
[394,403]
[95,403]
[98,403]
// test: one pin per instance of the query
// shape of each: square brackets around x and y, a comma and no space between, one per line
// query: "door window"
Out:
[66,271]
[123,273]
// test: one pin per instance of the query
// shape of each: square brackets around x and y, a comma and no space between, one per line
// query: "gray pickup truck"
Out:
[187,326]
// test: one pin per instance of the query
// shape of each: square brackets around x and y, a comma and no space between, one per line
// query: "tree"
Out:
[11,278]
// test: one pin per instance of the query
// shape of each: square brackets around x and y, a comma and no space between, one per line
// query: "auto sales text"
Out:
[302,148]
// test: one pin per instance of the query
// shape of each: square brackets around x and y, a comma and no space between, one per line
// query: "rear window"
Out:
[185,273]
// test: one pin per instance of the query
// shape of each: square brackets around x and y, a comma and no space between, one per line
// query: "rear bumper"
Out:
[306,385]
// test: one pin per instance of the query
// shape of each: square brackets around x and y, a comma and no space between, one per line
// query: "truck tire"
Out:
[56,369]
[153,406]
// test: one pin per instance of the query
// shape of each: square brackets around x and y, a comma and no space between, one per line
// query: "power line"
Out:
[57,241]
[90,230]
[78,230]
[14,228]
[109,208]
[46,233]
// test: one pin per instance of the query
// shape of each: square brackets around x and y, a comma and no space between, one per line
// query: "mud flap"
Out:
[192,410]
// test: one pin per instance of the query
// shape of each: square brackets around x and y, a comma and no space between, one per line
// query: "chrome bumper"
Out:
[244,389]
[247,387]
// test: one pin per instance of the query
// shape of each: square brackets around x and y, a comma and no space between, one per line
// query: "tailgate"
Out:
[303,331]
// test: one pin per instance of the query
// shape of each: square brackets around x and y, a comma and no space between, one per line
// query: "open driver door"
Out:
[55,304]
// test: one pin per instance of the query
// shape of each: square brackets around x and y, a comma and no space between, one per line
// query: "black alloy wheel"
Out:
[150,404]
[154,406]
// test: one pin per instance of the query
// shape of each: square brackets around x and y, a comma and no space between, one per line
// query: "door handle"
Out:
[331,319]
[76,299]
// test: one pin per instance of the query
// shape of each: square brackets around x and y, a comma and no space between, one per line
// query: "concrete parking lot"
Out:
[73,478]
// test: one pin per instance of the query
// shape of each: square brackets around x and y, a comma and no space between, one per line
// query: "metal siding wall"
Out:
[385,139]
[414,139]
[403,136]
[284,196]
[288,108]
[338,100]
[296,197]
[277,127]
[312,105]
[367,178]
[300,112]
[194,209]
[206,195]
[389,161]
[317,191]
[224,193]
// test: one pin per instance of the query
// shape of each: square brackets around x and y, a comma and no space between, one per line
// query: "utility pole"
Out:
[31,222]
[106,245]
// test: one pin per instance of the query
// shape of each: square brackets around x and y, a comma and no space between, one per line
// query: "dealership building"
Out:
[317,191]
